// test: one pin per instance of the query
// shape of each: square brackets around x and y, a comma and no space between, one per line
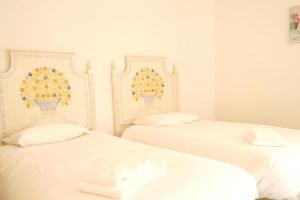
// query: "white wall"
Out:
[106,30]
[257,70]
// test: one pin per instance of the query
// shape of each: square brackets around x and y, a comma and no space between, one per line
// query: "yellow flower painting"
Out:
[46,88]
[147,84]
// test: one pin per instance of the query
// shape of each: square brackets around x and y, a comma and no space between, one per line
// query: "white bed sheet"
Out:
[52,171]
[276,169]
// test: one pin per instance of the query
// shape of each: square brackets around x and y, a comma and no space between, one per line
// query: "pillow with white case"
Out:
[165,119]
[45,134]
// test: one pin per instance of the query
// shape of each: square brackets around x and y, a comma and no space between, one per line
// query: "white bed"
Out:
[52,171]
[276,170]
[44,105]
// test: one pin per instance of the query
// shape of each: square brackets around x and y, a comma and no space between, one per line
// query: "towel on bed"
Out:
[103,190]
[123,180]
[261,136]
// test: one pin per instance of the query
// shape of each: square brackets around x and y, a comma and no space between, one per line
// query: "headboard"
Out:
[144,87]
[43,87]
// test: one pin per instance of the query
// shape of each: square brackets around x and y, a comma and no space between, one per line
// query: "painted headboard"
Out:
[144,87]
[43,87]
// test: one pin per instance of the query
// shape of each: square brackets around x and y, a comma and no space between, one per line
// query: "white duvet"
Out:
[52,172]
[276,169]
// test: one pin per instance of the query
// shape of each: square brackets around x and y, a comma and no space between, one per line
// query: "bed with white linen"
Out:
[50,152]
[276,169]
[53,171]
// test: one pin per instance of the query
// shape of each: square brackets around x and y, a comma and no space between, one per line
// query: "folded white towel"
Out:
[261,136]
[129,173]
[103,190]
[123,180]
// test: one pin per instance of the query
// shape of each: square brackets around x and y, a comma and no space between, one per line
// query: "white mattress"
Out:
[52,171]
[276,169]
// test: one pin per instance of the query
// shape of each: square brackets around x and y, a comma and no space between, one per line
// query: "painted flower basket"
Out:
[148,85]
[46,88]
[47,106]
[149,99]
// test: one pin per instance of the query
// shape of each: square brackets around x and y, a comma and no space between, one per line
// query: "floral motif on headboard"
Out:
[46,88]
[144,87]
[148,85]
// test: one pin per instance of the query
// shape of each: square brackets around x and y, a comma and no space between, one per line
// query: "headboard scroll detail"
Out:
[43,87]
[144,87]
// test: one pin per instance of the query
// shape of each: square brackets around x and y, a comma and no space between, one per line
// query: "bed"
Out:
[41,160]
[276,169]
[52,171]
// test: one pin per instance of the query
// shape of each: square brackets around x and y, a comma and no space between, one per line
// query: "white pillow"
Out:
[163,119]
[45,134]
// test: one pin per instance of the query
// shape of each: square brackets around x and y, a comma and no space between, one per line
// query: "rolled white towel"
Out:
[123,180]
[261,136]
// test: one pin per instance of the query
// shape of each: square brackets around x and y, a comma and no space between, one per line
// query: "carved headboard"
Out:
[43,87]
[144,87]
